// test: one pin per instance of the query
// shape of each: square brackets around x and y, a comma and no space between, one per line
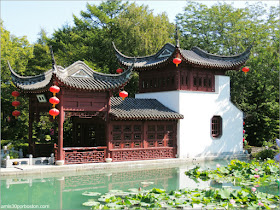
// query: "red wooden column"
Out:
[145,131]
[31,119]
[108,127]
[60,155]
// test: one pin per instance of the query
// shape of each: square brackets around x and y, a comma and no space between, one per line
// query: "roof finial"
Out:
[176,37]
[54,66]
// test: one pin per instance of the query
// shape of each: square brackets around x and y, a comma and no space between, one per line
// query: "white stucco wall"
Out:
[194,131]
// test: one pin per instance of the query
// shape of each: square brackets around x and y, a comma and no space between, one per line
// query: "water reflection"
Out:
[64,190]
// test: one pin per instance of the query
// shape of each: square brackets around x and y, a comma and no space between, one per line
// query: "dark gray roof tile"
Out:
[78,75]
[195,56]
[141,109]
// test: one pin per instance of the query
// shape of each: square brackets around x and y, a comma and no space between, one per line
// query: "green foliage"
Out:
[242,173]
[17,51]
[265,154]
[16,144]
[187,199]
[223,29]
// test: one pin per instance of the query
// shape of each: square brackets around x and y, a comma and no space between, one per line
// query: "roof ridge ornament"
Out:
[54,66]
[177,37]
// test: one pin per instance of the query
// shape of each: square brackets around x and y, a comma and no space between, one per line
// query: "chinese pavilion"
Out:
[198,89]
[103,126]
[182,111]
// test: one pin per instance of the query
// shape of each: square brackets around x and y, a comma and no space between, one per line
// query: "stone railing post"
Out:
[20,153]
[8,162]
[52,159]
[30,159]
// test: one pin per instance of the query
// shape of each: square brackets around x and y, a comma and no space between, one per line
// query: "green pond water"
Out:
[64,190]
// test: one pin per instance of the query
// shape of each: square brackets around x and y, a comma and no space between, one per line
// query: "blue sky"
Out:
[26,18]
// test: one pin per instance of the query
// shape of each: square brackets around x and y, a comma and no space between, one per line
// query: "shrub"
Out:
[264,154]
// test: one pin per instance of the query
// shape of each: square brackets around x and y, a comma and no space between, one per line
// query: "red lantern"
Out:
[243,123]
[54,89]
[15,104]
[119,71]
[54,112]
[16,113]
[177,61]
[245,69]
[123,94]
[54,100]
[15,94]
[243,131]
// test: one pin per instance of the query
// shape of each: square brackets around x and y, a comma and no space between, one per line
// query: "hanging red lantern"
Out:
[54,112]
[123,94]
[177,61]
[245,69]
[16,113]
[54,89]
[54,100]
[15,94]
[119,71]
[15,104]
[243,123]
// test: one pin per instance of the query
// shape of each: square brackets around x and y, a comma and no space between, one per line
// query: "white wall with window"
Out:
[194,132]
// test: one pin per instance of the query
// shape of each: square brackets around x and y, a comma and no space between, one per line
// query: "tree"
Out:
[17,51]
[223,29]
[134,29]
[41,59]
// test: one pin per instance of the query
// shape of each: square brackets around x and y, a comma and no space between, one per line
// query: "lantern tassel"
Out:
[176,65]
[123,98]
[53,117]
[53,105]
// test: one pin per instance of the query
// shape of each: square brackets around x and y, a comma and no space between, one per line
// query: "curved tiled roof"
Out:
[198,56]
[141,109]
[195,56]
[146,61]
[78,76]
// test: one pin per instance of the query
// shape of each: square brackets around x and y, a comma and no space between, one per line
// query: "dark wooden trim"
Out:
[83,148]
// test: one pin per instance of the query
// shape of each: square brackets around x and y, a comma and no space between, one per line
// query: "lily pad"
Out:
[91,203]
[115,191]
[91,193]
[147,183]
[133,190]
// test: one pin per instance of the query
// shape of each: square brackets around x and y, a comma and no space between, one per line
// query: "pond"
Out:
[64,191]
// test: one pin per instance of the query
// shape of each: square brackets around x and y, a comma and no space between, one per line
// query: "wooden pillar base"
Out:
[59,162]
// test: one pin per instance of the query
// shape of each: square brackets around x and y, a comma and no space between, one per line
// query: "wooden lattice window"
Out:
[205,82]
[137,136]
[216,126]
[117,128]
[194,82]
[137,127]
[209,82]
[167,82]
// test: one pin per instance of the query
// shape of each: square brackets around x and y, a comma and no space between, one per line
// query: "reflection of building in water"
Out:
[65,192]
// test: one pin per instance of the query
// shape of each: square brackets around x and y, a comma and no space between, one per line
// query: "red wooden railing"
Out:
[76,155]
[142,153]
